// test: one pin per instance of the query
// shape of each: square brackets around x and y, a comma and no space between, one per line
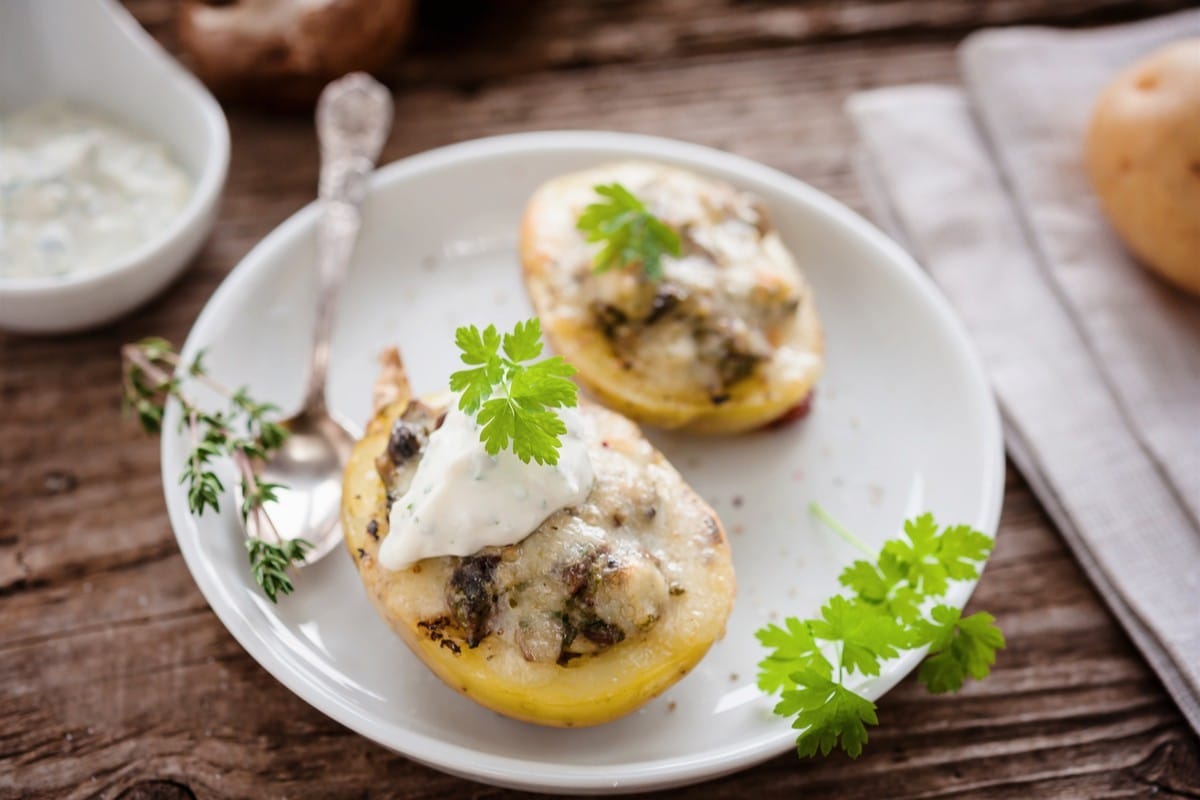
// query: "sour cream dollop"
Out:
[79,191]
[461,499]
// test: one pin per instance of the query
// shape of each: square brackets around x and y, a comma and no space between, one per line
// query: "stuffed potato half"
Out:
[727,341]
[600,609]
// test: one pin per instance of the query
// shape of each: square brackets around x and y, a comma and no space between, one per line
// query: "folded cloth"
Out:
[1095,362]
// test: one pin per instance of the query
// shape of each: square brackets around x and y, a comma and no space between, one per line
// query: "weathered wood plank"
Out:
[538,36]
[475,43]
[97,666]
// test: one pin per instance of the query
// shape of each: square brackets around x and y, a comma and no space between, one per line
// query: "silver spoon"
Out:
[354,115]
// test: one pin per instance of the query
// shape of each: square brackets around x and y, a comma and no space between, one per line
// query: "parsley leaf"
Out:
[866,635]
[547,382]
[531,430]
[513,401]
[889,611]
[481,349]
[866,580]
[794,649]
[958,647]
[525,342]
[929,559]
[905,604]
[827,712]
[884,583]
[630,233]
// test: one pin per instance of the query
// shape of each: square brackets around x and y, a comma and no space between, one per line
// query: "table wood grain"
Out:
[117,681]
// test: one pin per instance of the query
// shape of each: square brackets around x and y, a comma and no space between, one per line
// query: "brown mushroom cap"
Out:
[282,52]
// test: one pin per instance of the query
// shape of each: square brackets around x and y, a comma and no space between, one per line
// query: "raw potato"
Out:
[657,387]
[1143,155]
[589,690]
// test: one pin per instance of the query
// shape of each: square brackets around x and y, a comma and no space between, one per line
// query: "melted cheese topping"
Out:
[724,307]
[600,572]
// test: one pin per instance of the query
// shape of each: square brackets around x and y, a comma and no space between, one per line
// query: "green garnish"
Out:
[152,374]
[269,563]
[891,609]
[512,396]
[631,234]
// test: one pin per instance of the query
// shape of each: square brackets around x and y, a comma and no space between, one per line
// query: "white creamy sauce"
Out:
[78,191]
[461,499]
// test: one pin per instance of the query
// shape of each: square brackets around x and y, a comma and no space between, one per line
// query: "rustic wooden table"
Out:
[115,678]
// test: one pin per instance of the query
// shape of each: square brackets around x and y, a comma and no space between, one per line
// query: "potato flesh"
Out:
[728,340]
[589,689]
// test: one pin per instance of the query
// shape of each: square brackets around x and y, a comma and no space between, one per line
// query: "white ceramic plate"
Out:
[903,422]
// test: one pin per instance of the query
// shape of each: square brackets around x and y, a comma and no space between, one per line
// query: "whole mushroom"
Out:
[282,52]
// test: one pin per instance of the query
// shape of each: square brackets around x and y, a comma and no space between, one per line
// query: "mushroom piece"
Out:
[282,52]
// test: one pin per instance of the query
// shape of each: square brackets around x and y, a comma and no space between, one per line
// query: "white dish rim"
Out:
[515,772]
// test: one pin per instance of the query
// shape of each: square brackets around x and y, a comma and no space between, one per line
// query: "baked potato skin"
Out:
[752,403]
[589,691]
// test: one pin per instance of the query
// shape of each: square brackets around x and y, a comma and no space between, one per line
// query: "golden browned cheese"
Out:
[597,611]
[727,341]
[1143,156]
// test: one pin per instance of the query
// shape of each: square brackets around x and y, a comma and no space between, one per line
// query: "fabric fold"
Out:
[1033,91]
[933,176]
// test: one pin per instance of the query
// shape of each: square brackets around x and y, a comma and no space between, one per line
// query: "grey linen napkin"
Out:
[1096,363]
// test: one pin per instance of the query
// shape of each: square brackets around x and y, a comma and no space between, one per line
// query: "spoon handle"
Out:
[354,115]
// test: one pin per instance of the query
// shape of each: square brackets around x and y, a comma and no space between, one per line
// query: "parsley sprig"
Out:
[511,395]
[890,607]
[630,233]
[152,375]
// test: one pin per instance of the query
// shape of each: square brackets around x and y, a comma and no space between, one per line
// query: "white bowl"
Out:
[92,52]
[903,422]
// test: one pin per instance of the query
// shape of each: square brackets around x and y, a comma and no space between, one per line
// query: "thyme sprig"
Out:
[152,375]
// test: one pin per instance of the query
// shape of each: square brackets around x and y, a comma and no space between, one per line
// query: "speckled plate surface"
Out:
[903,422]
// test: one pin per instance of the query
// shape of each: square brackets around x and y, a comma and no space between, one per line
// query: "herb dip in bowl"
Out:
[112,160]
